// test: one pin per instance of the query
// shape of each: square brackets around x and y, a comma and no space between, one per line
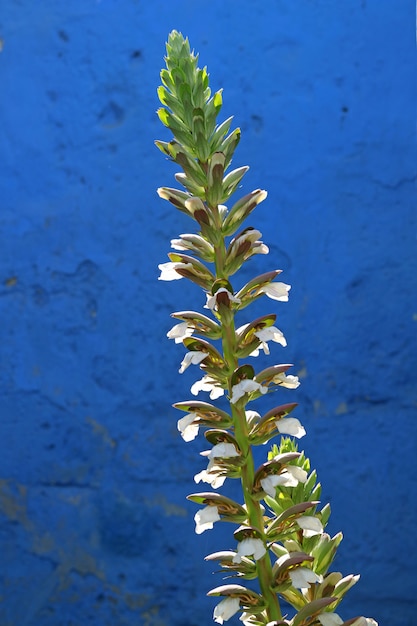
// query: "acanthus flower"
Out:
[180,331]
[290,381]
[207,384]
[226,609]
[365,621]
[247,385]
[290,426]
[276,291]
[290,477]
[187,427]
[303,577]
[205,518]
[193,357]
[169,270]
[330,619]
[310,525]
[212,477]
[212,303]
[271,333]
[248,547]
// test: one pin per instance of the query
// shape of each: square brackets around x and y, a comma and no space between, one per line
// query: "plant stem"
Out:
[253,506]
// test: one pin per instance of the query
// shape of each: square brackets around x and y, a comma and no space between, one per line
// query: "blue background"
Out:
[94,525]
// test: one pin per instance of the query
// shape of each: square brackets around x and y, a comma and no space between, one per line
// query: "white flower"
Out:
[248,547]
[290,426]
[223,451]
[205,518]
[212,474]
[247,385]
[365,621]
[270,483]
[207,384]
[169,270]
[268,334]
[180,332]
[188,430]
[290,477]
[330,619]
[194,357]
[211,477]
[261,248]
[276,291]
[212,300]
[225,609]
[302,577]
[290,381]
[310,525]
[297,472]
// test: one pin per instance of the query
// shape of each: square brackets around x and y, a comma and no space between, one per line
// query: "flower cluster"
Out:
[280,536]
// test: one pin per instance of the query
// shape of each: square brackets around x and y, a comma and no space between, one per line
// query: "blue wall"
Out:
[94,525]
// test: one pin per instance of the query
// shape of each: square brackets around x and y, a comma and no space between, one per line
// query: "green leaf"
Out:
[219,132]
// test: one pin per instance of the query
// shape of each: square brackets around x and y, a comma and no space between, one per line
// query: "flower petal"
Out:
[248,547]
[247,385]
[205,518]
[207,384]
[188,430]
[212,478]
[168,270]
[330,619]
[290,381]
[180,332]
[225,609]
[194,357]
[290,426]
[302,577]
[277,291]
[212,300]
[310,525]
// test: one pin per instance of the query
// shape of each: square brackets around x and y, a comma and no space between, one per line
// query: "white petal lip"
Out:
[168,270]
[212,300]
[271,334]
[246,386]
[226,609]
[212,478]
[330,619]
[365,621]
[205,518]
[223,451]
[179,332]
[193,357]
[302,577]
[290,426]
[207,384]
[290,477]
[188,430]
[310,525]
[290,381]
[285,479]
[297,472]
[248,547]
[277,291]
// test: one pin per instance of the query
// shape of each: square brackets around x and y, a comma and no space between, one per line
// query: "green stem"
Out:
[253,506]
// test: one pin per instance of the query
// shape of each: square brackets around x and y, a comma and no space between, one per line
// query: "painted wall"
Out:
[94,525]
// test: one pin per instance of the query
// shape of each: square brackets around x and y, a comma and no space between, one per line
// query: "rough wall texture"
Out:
[94,527]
